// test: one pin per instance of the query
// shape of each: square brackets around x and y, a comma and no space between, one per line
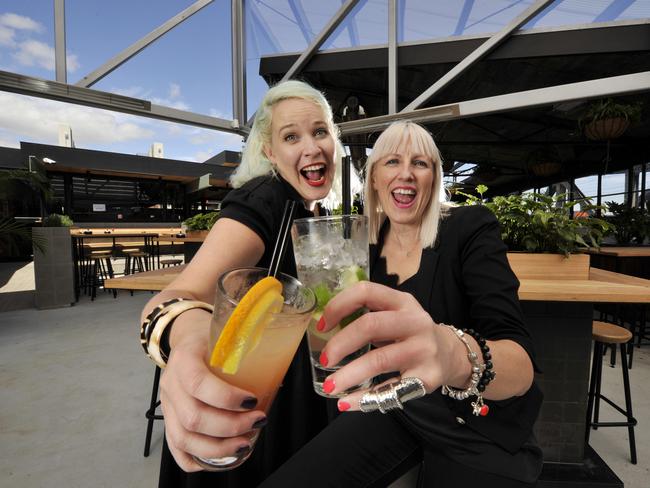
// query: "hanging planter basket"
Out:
[606,129]
[546,168]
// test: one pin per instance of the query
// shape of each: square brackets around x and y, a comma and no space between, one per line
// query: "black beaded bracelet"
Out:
[488,375]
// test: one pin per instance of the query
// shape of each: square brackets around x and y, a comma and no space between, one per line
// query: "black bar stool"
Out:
[150,414]
[167,262]
[604,334]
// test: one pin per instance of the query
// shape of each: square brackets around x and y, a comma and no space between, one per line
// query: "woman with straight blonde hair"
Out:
[453,360]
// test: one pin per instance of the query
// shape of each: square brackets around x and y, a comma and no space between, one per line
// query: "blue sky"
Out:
[189,68]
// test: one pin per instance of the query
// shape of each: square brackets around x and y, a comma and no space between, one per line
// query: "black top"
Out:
[297,413]
[465,280]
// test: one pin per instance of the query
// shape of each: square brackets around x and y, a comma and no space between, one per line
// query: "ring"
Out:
[392,395]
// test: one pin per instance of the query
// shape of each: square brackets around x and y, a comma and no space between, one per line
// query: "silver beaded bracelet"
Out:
[478,407]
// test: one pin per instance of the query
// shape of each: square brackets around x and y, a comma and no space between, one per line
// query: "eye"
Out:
[290,138]
[421,163]
[391,162]
[321,132]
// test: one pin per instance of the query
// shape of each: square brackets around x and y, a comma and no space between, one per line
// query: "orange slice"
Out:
[246,324]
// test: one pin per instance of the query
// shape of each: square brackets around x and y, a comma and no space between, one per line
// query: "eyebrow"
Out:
[293,124]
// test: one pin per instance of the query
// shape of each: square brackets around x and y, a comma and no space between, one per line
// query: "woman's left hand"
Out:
[408,341]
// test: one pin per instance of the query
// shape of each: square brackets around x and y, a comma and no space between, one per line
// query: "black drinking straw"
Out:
[281,241]
[347,200]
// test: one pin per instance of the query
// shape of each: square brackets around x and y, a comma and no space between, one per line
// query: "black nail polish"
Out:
[259,423]
[249,403]
[241,450]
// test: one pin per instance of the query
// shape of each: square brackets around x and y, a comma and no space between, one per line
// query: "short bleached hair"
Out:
[254,162]
[393,141]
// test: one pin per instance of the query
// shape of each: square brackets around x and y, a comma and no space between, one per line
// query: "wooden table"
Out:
[149,280]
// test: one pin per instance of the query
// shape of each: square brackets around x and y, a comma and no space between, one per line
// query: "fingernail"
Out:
[249,403]
[321,324]
[242,450]
[328,386]
[259,423]
[323,358]
[343,406]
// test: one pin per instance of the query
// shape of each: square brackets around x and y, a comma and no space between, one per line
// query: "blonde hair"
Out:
[254,162]
[391,141]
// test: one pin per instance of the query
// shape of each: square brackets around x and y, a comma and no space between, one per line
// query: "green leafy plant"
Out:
[609,109]
[630,224]
[57,220]
[339,210]
[12,233]
[201,221]
[542,224]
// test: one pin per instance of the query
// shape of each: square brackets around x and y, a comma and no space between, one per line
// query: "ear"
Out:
[268,152]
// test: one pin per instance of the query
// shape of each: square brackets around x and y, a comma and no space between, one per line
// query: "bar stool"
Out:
[604,334]
[164,263]
[150,414]
[100,269]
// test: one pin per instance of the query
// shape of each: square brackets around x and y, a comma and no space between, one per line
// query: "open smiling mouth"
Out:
[404,197]
[314,174]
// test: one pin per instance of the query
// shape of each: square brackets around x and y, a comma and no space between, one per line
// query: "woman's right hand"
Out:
[204,416]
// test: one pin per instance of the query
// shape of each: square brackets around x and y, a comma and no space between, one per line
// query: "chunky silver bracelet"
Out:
[478,407]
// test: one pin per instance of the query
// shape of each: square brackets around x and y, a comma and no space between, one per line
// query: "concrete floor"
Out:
[75,385]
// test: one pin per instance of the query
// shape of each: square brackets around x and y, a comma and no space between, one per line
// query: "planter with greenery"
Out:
[200,222]
[631,225]
[53,263]
[606,119]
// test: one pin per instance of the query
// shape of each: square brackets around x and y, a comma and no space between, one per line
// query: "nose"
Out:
[310,147]
[406,171]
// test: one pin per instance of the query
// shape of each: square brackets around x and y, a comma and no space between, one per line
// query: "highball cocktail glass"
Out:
[331,254]
[262,369]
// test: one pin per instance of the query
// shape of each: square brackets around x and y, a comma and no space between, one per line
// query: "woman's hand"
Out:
[204,416]
[409,341]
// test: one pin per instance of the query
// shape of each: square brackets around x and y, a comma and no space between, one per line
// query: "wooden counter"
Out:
[601,286]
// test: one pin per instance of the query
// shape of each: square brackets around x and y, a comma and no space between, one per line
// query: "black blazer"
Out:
[465,280]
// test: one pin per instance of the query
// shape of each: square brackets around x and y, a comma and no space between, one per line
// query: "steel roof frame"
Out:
[80,93]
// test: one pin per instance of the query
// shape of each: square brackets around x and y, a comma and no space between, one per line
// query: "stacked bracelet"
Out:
[488,374]
[156,326]
[482,373]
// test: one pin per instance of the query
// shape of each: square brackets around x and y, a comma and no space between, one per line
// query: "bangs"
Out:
[402,136]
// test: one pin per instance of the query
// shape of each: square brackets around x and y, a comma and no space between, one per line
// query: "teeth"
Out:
[314,167]
[404,191]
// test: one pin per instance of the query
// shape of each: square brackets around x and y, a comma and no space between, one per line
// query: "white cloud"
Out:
[20,22]
[7,36]
[37,53]
[28,118]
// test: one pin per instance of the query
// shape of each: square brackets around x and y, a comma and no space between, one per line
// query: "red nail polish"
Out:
[343,406]
[328,386]
[323,358]
[321,324]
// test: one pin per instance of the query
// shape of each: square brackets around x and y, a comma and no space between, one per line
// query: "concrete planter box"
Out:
[54,269]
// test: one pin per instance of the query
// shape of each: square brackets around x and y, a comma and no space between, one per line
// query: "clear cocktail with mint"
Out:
[331,254]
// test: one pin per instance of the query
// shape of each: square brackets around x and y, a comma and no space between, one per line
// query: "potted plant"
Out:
[606,119]
[537,223]
[197,227]
[631,225]
[53,263]
[200,222]
[541,235]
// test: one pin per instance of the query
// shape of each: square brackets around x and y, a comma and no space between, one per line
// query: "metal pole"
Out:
[59,41]
[392,56]
[238,62]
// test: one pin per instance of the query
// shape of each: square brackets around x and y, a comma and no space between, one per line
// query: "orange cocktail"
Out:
[256,328]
